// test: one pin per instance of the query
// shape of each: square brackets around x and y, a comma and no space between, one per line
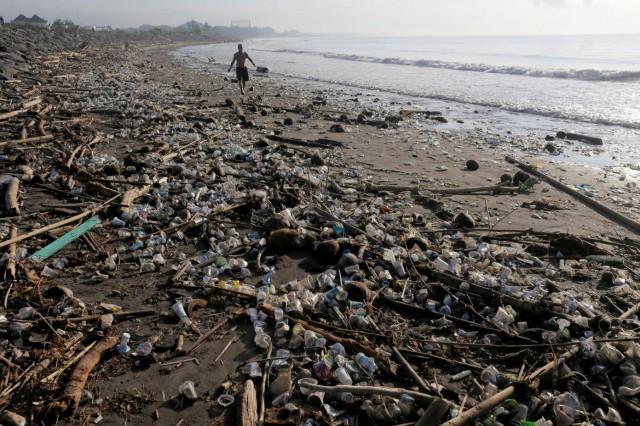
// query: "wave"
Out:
[583,74]
[541,111]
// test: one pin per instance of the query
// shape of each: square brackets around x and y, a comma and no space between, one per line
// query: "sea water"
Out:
[583,83]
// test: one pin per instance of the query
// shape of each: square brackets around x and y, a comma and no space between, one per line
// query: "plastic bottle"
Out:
[366,363]
[123,346]
[252,370]
[178,309]
[342,376]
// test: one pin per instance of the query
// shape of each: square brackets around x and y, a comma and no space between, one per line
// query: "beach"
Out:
[151,99]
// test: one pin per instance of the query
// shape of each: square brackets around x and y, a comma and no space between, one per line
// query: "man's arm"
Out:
[251,60]
[232,62]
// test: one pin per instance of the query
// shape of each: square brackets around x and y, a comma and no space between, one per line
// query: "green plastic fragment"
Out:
[50,249]
[527,423]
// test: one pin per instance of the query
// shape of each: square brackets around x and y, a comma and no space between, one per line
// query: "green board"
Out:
[49,250]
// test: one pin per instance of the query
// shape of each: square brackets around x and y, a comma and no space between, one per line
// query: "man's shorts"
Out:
[242,73]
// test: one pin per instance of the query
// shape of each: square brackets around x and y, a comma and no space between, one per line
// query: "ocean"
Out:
[585,83]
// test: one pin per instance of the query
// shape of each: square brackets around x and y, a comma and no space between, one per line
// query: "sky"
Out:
[384,17]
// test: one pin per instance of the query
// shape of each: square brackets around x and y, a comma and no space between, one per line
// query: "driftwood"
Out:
[73,392]
[434,413]
[93,141]
[319,143]
[129,197]
[591,140]
[13,248]
[31,103]
[263,388]
[11,114]
[415,189]
[10,186]
[248,407]
[27,140]
[605,211]
[370,390]
[206,335]
[416,377]
[138,313]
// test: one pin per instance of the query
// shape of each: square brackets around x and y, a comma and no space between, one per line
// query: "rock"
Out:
[337,128]
[358,291]
[276,222]
[550,147]
[439,119]
[112,170]
[506,179]
[464,221]
[288,121]
[282,383]
[549,138]
[520,177]
[606,279]
[286,239]
[317,160]
[348,259]
[422,243]
[328,250]
[472,165]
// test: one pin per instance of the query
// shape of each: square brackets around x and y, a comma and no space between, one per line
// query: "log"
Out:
[129,197]
[434,413]
[56,225]
[248,407]
[416,189]
[80,374]
[591,140]
[605,211]
[27,140]
[319,143]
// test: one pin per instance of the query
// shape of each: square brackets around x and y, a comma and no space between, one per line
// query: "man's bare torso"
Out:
[240,58]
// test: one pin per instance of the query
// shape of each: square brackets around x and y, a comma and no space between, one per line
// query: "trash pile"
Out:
[408,313]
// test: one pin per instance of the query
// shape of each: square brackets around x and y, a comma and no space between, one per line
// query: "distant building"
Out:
[34,20]
[242,23]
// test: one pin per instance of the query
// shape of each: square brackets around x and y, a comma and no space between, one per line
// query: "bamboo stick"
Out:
[13,248]
[57,224]
[94,141]
[12,114]
[27,140]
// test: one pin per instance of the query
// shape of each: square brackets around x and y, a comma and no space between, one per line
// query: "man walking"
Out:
[241,69]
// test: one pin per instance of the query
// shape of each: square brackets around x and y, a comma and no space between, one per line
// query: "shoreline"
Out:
[525,128]
[613,185]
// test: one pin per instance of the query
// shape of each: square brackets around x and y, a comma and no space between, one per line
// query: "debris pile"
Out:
[400,312]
